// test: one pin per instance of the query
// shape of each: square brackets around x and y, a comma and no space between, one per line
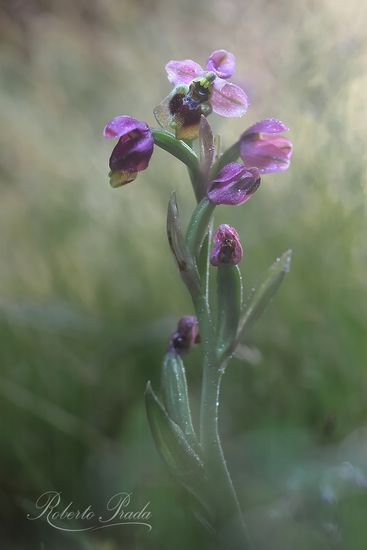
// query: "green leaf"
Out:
[229,292]
[180,250]
[175,396]
[170,439]
[184,463]
[265,292]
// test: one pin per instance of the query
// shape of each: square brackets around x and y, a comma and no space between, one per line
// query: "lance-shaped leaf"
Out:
[229,292]
[184,463]
[175,396]
[181,252]
[170,439]
[206,146]
[265,292]
[198,226]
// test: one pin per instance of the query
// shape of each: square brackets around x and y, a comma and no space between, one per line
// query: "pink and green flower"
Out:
[227,99]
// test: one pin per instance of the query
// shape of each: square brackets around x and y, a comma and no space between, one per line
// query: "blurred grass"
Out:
[89,291]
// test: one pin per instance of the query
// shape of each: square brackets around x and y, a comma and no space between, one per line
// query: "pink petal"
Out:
[222,63]
[182,72]
[267,156]
[268,125]
[122,125]
[228,99]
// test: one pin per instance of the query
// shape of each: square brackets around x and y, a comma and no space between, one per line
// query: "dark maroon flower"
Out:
[132,153]
[261,146]
[227,247]
[185,336]
[235,184]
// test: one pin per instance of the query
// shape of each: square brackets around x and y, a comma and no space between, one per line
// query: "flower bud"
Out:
[185,336]
[235,184]
[133,150]
[227,246]
[261,146]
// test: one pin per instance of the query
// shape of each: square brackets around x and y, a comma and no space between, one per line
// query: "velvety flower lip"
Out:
[227,99]
[261,146]
[227,247]
[234,185]
[133,150]
[185,336]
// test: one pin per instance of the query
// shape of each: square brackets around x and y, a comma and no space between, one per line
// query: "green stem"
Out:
[198,226]
[230,155]
[199,184]
[177,148]
[229,522]
[229,517]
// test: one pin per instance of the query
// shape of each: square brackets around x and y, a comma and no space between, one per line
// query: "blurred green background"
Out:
[90,293]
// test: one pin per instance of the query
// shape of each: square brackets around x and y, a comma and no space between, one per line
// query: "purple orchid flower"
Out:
[134,148]
[227,99]
[227,246]
[261,146]
[234,184]
[185,336]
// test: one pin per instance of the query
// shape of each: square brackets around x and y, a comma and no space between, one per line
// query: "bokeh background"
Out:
[89,292]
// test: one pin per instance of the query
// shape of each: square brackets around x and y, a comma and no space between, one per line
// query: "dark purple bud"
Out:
[185,336]
[133,150]
[261,146]
[227,247]
[235,184]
